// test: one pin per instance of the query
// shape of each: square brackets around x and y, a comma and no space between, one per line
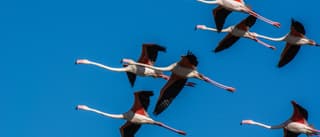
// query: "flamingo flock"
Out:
[186,68]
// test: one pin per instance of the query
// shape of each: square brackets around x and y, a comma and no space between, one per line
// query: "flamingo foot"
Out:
[231,89]
[190,84]
[273,47]
[277,24]
[182,133]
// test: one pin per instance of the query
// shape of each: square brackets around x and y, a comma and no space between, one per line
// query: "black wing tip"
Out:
[158,47]
[145,92]
[192,58]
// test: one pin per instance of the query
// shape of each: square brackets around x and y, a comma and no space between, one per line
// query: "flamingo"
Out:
[293,127]
[148,56]
[295,38]
[235,32]
[227,6]
[181,71]
[135,117]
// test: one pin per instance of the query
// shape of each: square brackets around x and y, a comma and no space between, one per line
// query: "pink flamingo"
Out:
[295,38]
[296,125]
[135,117]
[235,32]
[227,6]
[148,56]
[181,71]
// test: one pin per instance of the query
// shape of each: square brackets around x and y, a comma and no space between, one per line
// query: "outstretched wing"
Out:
[150,53]
[297,26]
[227,42]
[129,129]
[132,78]
[220,14]
[289,52]
[169,92]
[189,61]
[247,22]
[300,114]
[141,102]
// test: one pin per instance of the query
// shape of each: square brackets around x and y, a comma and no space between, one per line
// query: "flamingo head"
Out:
[82,107]
[128,61]
[246,122]
[82,61]
[200,27]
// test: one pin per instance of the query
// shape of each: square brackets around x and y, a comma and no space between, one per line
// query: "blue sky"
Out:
[40,40]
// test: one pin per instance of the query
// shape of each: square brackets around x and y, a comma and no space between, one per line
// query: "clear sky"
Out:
[40,85]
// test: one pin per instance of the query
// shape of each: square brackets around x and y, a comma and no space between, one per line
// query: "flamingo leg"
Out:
[231,89]
[265,44]
[277,24]
[170,128]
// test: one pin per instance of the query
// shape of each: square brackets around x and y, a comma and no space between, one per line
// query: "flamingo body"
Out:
[235,33]
[296,125]
[136,116]
[227,6]
[148,56]
[294,40]
[181,71]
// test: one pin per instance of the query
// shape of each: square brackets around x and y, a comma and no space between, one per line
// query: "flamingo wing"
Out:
[141,102]
[248,22]
[150,53]
[289,52]
[189,61]
[129,129]
[227,42]
[300,114]
[220,14]
[132,78]
[297,26]
[169,92]
[288,133]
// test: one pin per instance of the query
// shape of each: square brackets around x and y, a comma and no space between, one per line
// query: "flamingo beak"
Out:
[317,45]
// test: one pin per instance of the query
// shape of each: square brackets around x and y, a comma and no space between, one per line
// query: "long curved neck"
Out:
[107,67]
[268,126]
[117,116]
[214,29]
[168,68]
[209,2]
[270,38]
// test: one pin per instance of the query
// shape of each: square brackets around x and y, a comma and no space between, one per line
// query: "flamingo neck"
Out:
[168,68]
[106,67]
[209,2]
[229,29]
[117,116]
[267,126]
[270,38]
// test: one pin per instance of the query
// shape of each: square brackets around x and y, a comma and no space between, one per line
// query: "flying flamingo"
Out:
[181,71]
[295,38]
[148,56]
[296,125]
[235,32]
[135,117]
[227,6]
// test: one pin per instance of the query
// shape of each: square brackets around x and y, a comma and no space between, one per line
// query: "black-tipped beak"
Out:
[195,28]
